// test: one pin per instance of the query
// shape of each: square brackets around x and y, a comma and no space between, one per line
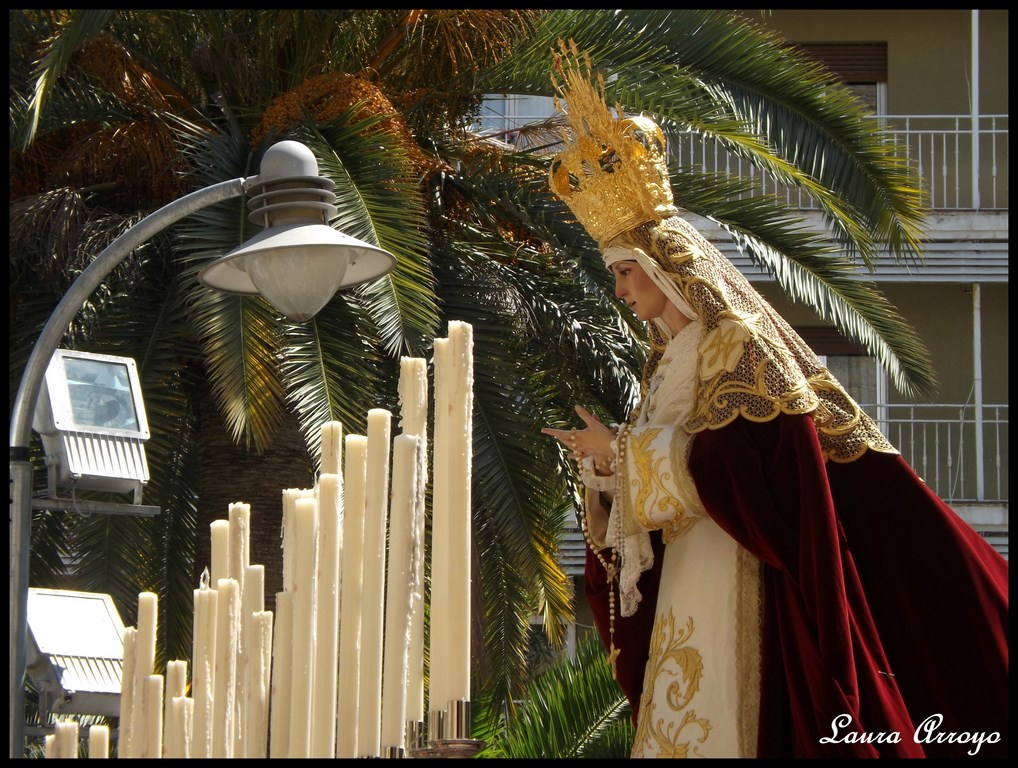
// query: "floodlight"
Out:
[91,418]
[75,653]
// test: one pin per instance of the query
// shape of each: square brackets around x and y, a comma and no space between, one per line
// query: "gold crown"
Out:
[614,175]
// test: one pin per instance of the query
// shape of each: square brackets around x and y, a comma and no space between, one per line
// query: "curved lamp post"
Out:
[297,263]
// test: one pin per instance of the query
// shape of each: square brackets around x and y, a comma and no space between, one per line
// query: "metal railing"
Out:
[942,444]
[959,167]
[962,162]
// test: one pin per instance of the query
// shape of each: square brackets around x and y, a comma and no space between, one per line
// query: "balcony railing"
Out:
[964,460]
[959,167]
[962,162]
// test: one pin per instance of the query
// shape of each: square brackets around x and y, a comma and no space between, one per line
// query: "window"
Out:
[861,66]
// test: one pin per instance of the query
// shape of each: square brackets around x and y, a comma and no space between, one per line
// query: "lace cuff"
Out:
[594,481]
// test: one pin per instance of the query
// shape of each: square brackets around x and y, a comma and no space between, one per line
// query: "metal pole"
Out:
[21,483]
[977,385]
[975,110]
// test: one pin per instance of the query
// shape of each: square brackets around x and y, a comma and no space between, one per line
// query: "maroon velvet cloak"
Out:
[879,601]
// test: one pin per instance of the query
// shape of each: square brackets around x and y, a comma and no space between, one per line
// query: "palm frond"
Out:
[331,367]
[68,34]
[575,709]
[239,335]
[379,205]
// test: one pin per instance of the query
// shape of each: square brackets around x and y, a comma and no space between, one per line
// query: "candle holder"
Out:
[393,752]
[449,748]
[414,734]
[449,733]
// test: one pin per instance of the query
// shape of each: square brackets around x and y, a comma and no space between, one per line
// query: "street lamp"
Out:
[294,205]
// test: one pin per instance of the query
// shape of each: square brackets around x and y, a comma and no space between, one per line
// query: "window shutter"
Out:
[854,63]
[825,340]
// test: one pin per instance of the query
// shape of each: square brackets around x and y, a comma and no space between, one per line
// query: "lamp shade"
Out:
[298,262]
[297,267]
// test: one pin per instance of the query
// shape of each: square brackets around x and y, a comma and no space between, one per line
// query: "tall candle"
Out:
[50,745]
[176,685]
[252,600]
[203,662]
[240,553]
[413,398]
[99,741]
[305,537]
[452,523]
[144,660]
[152,712]
[461,341]
[227,630]
[373,587]
[258,692]
[127,693]
[439,677]
[332,445]
[282,664]
[354,481]
[402,529]
[220,569]
[66,739]
[330,548]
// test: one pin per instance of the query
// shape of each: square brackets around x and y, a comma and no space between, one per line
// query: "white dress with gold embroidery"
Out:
[701,688]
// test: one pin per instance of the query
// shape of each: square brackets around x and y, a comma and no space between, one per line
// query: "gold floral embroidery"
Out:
[665,735]
[651,473]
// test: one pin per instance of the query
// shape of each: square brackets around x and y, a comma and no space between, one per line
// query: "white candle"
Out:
[452,523]
[402,529]
[373,587]
[50,748]
[282,662]
[439,678]
[413,398]
[354,481]
[332,445]
[252,600]
[220,569]
[227,630]
[66,743]
[305,538]
[144,660]
[330,548]
[290,557]
[127,692]
[176,685]
[182,716]
[461,341]
[152,712]
[99,741]
[240,554]
[258,693]
[203,662]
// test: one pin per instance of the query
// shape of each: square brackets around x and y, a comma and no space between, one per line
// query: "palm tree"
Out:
[114,113]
